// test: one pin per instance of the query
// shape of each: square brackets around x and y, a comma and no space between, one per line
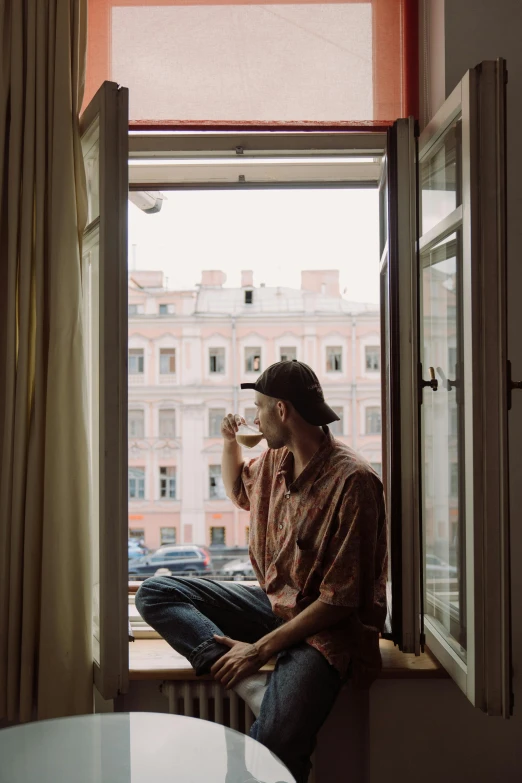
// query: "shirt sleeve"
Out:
[250,474]
[355,549]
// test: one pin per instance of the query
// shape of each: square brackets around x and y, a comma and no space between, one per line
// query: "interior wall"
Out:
[428,730]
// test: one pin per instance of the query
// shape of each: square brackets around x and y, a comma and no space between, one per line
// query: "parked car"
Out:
[183,560]
[439,569]
[238,570]
[136,548]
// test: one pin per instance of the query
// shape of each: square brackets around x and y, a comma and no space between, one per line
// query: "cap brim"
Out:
[248,385]
[317,413]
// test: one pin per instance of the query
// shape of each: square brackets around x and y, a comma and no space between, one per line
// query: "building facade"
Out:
[189,351]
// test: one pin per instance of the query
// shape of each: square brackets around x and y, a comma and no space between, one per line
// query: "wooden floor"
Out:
[154,659]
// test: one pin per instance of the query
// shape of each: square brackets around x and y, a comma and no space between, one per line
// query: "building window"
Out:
[288,354]
[137,533]
[167,423]
[216,358]
[337,427]
[249,297]
[252,359]
[377,466]
[136,361]
[167,361]
[216,488]
[136,483]
[250,416]
[217,536]
[334,358]
[168,483]
[373,421]
[372,358]
[215,417]
[167,535]
[166,309]
[136,424]
[132,309]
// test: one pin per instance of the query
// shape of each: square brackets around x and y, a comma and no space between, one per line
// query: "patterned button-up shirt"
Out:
[322,536]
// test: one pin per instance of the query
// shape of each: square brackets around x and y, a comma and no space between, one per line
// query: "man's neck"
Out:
[303,447]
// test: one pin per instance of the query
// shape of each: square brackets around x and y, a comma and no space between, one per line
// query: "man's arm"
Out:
[232,459]
[244,659]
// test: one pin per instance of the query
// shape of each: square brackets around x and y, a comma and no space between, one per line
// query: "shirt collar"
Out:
[312,468]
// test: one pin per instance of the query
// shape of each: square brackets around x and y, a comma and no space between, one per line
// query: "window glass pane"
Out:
[252,359]
[337,427]
[137,533]
[136,483]
[372,356]
[440,179]
[168,535]
[136,361]
[168,483]
[215,417]
[217,360]
[373,420]
[167,423]
[136,424]
[442,421]
[288,353]
[217,536]
[167,361]
[216,486]
[334,359]
[132,309]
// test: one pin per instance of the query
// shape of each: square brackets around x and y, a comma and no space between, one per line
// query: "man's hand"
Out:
[229,426]
[239,662]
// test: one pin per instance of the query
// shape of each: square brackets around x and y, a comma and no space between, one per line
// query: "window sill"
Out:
[154,659]
[151,658]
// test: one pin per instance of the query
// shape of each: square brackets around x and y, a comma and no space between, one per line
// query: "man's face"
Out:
[269,421]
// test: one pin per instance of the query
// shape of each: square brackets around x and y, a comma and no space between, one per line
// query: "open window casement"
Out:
[445,393]
[104,129]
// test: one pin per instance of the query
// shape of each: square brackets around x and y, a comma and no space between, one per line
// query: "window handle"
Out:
[448,385]
[432,383]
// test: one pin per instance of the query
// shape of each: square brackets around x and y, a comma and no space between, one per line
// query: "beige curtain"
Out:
[45,602]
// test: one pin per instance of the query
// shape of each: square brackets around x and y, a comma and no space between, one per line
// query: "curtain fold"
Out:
[45,571]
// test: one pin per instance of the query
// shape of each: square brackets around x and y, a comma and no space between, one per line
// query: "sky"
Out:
[275,233]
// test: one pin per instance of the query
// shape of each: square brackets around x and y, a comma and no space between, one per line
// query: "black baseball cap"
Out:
[297,383]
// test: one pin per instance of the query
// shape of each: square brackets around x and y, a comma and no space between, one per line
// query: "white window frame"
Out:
[214,406]
[372,340]
[168,480]
[170,406]
[133,408]
[333,341]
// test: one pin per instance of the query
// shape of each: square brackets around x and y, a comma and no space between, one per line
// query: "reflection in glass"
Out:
[440,179]
[91,158]
[442,417]
[90,274]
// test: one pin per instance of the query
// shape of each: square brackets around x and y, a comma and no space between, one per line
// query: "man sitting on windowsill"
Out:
[318,548]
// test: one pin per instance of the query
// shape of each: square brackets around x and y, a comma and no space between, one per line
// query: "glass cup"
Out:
[248,436]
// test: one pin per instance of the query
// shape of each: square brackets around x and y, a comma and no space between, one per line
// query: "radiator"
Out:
[210,701]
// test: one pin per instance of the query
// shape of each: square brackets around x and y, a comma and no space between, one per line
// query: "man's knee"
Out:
[152,593]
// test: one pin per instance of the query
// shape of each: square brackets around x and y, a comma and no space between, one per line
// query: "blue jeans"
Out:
[186,612]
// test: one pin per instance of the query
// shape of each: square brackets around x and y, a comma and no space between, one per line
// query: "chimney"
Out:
[212,278]
[321,281]
[247,279]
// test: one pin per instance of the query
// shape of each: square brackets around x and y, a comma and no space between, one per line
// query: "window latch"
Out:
[432,383]
[511,385]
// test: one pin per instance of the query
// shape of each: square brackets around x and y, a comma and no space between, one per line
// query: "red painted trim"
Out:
[395,52]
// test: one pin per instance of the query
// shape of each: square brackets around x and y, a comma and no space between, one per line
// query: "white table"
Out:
[138,747]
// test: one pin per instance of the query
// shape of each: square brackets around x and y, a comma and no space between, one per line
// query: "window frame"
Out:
[169,480]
